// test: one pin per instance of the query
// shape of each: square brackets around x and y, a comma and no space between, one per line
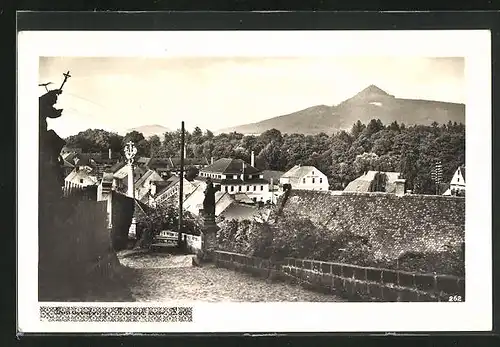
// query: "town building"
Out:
[171,189]
[273,177]
[193,202]
[120,176]
[145,183]
[457,183]
[305,178]
[377,181]
[234,176]
[80,177]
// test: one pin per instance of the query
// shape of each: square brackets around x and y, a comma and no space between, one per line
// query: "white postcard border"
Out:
[475,314]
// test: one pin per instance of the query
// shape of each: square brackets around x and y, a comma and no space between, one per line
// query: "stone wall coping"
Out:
[347,265]
[377,268]
[371,194]
[238,254]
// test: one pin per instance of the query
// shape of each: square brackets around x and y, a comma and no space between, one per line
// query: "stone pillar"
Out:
[400,186]
[130,178]
[130,152]
[208,237]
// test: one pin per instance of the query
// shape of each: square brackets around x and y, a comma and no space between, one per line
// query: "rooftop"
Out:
[230,166]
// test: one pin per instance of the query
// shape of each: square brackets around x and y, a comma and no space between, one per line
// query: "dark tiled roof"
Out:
[275,175]
[230,166]
[234,181]
[168,183]
[117,167]
[156,163]
[239,211]
[189,161]
[144,177]
[142,160]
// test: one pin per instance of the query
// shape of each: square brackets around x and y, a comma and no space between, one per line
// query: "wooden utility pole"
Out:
[181,187]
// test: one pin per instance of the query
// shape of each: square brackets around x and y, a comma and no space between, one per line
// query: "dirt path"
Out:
[171,278]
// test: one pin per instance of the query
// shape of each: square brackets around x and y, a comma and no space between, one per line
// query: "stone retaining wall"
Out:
[356,283]
[393,224]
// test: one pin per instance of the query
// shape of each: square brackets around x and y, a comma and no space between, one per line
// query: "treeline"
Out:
[343,156]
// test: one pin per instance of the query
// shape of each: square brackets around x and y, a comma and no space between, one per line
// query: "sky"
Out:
[117,94]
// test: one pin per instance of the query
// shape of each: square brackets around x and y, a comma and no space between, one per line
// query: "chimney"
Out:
[211,160]
[109,153]
[252,160]
[400,186]
[243,170]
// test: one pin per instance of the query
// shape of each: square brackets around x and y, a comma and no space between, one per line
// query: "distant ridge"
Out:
[150,130]
[370,103]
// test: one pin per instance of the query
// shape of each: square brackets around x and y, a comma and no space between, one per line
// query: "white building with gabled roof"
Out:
[235,176]
[305,178]
[457,183]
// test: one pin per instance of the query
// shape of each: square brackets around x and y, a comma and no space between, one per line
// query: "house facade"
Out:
[145,183]
[80,178]
[305,178]
[457,183]
[234,176]
[171,189]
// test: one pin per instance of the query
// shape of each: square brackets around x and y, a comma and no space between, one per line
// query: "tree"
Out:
[191,173]
[357,129]
[366,162]
[161,217]
[271,156]
[95,140]
[154,144]
[197,136]
[209,135]
[270,135]
[133,136]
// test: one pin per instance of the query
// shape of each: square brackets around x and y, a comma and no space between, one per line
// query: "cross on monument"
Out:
[66,76]
[45,85]
[130,151]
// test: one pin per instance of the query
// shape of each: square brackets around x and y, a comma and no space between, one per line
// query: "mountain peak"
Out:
[372,90]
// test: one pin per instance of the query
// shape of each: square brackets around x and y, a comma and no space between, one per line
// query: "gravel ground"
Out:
[171,278]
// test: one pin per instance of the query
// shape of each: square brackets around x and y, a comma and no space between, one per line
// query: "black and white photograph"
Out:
[167,182]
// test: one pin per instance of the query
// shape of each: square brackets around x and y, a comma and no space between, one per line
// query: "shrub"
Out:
[300,238]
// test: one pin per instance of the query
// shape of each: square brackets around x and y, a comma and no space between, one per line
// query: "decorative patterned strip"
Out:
[115,314]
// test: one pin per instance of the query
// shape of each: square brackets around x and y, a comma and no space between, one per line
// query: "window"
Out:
[249,176]
[261,188]
[458,179]
[304,180]
[248,188]
[232,188]
[313,180]
[254,188]
[320,180]
[81,180]
[235,177]
[313,172]
[239,188]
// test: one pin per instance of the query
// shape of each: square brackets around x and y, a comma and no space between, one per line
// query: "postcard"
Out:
[254,181]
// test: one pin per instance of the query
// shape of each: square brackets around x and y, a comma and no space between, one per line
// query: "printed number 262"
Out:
[454,298]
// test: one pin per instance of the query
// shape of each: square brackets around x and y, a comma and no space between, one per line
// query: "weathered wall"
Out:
[393,224]
[122,212]
[355,283]
[74,250]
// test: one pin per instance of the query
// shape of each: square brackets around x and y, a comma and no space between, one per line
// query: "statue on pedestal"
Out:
[50,144]
[209,201]
[209,231]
